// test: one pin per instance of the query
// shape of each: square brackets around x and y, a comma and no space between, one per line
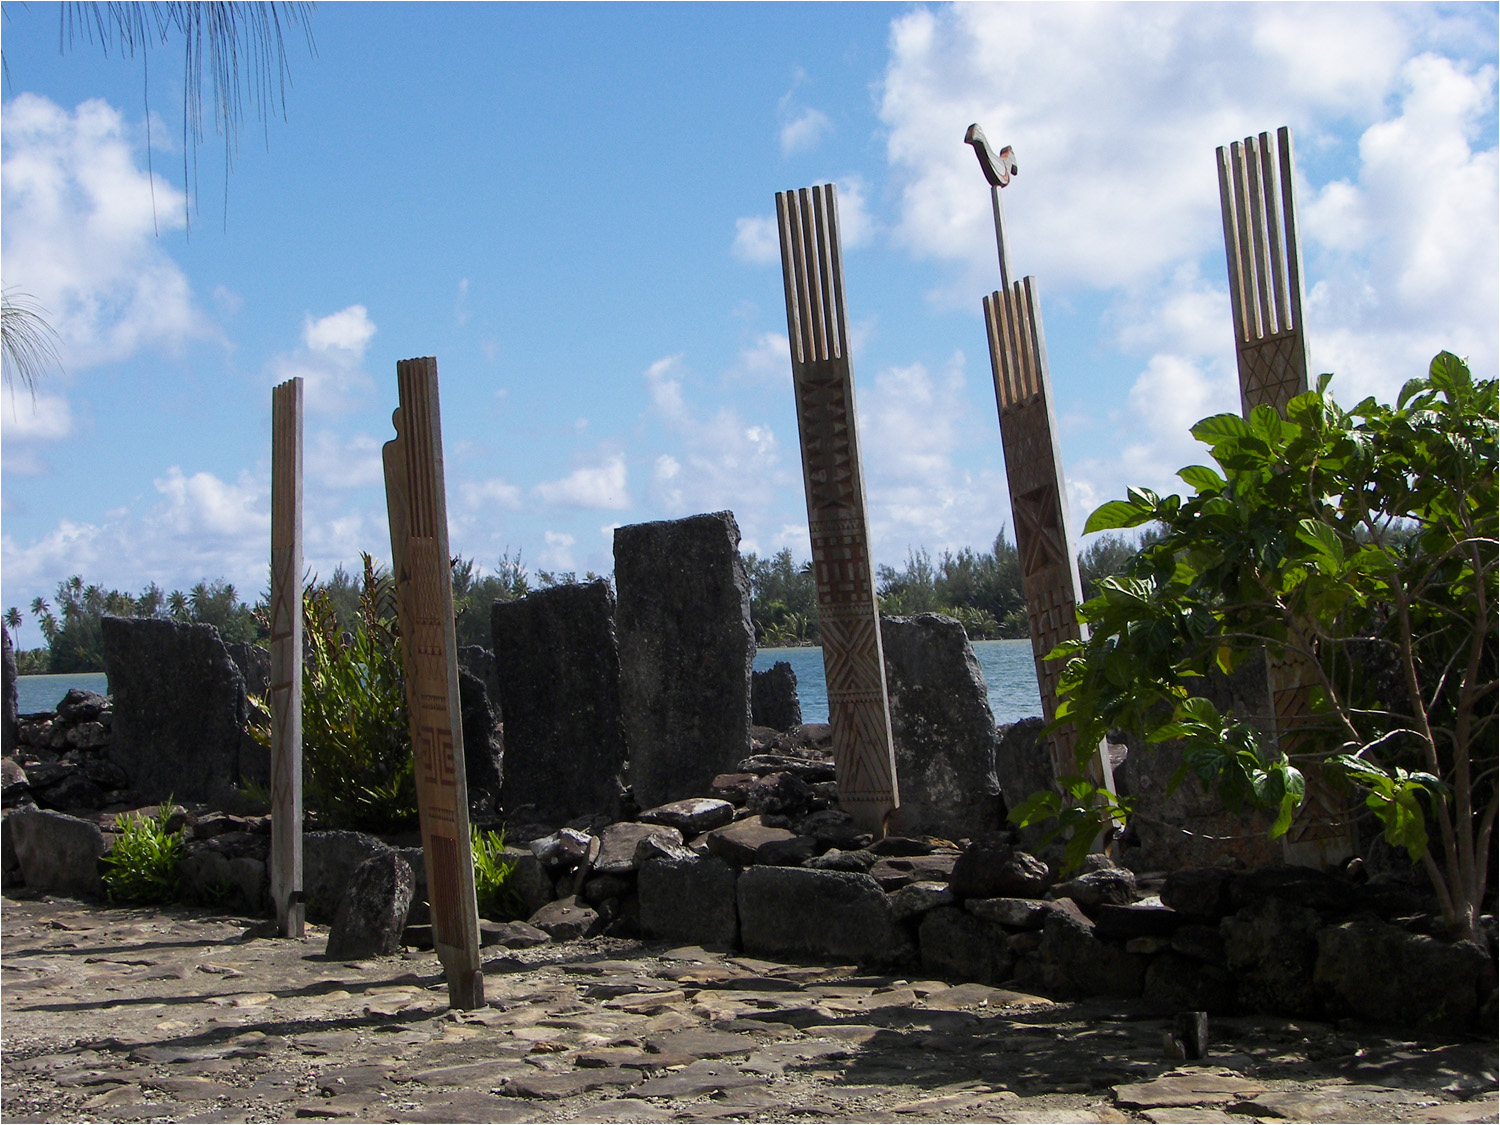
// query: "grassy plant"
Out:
[498,899]
[143,863]
[356,744]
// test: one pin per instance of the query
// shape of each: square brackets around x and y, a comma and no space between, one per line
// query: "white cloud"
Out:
[336,462]
[717,461]
[1115,112]
[767,360]
[559,550]
[596,486]
[46,417]
[911,425]
[756,240]
[856,224]
[80,234]
[490,492]
[330,360]
[804,131]
[348,330]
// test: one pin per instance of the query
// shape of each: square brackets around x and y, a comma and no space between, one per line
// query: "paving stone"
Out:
[471,1107]
[1187,1089]
[486,1074]
[1192,1115]
[703,1077]
[552,1087]
[703,1044]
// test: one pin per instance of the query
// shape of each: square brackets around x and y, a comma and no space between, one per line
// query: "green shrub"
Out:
[356,743]
[498,900]
[142,866]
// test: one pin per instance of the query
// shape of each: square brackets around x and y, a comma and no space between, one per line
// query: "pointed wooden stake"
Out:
[286,657]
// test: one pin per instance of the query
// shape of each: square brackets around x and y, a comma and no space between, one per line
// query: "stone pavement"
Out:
[181,1015]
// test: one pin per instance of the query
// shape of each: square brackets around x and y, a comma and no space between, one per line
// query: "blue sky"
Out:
[571,207]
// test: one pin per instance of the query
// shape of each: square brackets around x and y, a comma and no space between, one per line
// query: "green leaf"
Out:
[1036,808]
[1117,514]
[1221,427]
[1321,538]
[1201,478]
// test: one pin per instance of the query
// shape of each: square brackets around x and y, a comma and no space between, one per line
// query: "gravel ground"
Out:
[183,1015]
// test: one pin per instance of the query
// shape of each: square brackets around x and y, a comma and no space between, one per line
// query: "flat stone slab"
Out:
[1187,1089]
[703,1077]
[551,1087]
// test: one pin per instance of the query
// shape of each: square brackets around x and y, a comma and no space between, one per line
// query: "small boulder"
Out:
[915,899]
[991,867]
[1017,913]
[372,912]
[688,898]
[56,852]
[617,844]
[784,793]
[567,919]
[1114,885]
[738,844]
[800,911]
[692,816]
[957,944]
[329,861]
[1199,893]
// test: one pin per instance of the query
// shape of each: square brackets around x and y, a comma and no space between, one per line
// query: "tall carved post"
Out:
[1265,291]
[286,657]
[417,507]
[848,616]
[1033,470]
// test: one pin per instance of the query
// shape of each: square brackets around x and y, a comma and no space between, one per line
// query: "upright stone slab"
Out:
[558,664]
[8,696]
[943,727]
[773,698]
[179,708]
[286,658]
[417,507]
[848,617]
[687,645]
[1257,195]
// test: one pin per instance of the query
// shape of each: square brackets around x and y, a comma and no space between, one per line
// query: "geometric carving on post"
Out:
[848,615]
[1265,269]
[1038,501]
[417,508]
[286,657]
[1257,196]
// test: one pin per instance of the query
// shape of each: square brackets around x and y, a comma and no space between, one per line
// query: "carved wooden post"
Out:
[1038,500]
[417,507]
[1265,269]
[1256,192]
[848,616]
[1033,470]
[286,657]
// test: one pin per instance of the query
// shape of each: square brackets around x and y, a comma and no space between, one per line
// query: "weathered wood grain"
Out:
[417,507]
[286,657]
[848,615]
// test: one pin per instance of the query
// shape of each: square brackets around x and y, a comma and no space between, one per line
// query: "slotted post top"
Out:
[816,319]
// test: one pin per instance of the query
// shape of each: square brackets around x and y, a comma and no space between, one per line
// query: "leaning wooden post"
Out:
[1033,470]
[1257,195]
[286,657]
[848,615]
[418,511]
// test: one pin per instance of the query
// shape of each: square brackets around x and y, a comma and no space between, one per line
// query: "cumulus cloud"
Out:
[595,486]
[1115,112]
[804,131]
[334,461]
[330,361]
[80,234]
[492,492]
[559,550]
[756,240]
[716,460]
[911,424]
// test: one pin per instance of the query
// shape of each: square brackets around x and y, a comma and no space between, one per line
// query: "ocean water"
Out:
[42,693]
[1009,678]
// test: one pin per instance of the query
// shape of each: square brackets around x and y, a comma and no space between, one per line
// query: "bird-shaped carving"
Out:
[998,167]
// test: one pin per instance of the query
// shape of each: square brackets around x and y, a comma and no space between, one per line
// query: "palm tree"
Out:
[13,618]
[228,35]
[29,342]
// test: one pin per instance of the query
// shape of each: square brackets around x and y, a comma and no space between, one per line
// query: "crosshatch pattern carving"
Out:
[1049,572]
[848,617]
[424,597]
